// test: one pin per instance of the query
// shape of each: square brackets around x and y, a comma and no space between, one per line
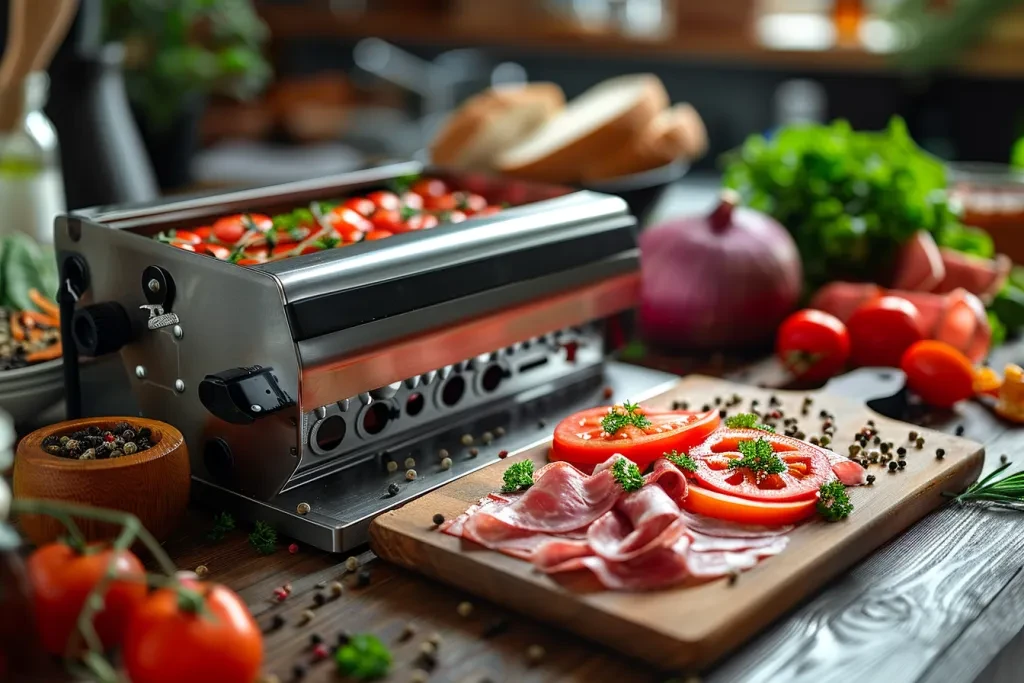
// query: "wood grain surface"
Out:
[152,484]
[693,626]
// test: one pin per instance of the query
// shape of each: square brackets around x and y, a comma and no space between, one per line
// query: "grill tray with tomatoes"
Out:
[248,239]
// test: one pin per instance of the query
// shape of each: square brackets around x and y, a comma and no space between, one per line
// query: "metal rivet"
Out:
[302,508]
[154,285]
[365,398]
[140,372]
[343,405]
[293,450]
[179,385]
[255,408]
[321,412]
[178,332]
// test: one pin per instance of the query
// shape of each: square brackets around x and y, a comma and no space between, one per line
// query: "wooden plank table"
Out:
[942,602]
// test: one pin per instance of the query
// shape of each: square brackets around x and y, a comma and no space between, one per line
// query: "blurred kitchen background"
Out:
[229,92]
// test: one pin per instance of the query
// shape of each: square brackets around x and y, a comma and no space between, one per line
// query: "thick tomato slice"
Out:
[230,229]
[580,438]
[702,501]
[807,467]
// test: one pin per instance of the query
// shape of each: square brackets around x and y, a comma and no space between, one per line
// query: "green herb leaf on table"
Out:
[1007,492]
[759,457]
[628,475]
[682,461]
[628,414]
[833,502]
[223,524]
[364,657]
[747,421]
[263,538]
[518,477]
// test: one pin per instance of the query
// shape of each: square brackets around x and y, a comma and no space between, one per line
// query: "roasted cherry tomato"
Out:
[230,229]
[187,236]
[207,638]
[470,203]
[582,439]
[429,187]
[378,234]
[342,217]
[807,467]
[183,245]
[361,205]
[61,578]
[218,251]
[385,200]
[411,200]
[702,501]
[939,373]
[882,330]
[813,345]
[204,233]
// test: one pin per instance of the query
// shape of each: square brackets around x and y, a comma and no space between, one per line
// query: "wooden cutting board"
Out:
[689,628]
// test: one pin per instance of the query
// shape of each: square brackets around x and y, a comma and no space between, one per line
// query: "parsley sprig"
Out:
[833,503]
[364,657]
[682,460]
[628,475]
[622,416]
[263,538]
[518,477]
[223,524]
[747,421]
[760,458]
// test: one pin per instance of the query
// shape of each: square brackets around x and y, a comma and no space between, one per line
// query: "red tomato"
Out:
[231,228]
[454,217]
[470,203]
[422,221]
[168,643]
[444,202]
[378,234]
[882,330]
[702,501]
[383,199]
[939,373]
[258,252]
[248,262]
[581,438]
[390,221]
[813,345]
[218,251]
[187,236]
[61,578]
[488,211]
[204,233]
[183,245]
[807,467]
[342,218]
[412,200]
[286,248]
[429,187]
[349,235]
[361,205]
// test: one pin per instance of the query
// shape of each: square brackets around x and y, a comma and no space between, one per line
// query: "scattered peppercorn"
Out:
[467,439]
[307,616]
[408,631]
[363,578]
[293,548]
[959,430]
[336,588]
[901,464]
[393,489]
[854,449]
[871,479]
[877,440]
[280,594]
[912,436]
[718,400]
[901,451]
[608,392]
[534,654]
[884,448]
[319,599]
[734,576]
[502,454]
[436,639]
[920,442]
[824,441]
[392,466]
[419,676]
[92,444]
[685,405]
[410,474]
[428,648]
[438,519]
[276,622]
[409,463]
[443,453]
[939,452]
[202,570]
[298,672]
[541,424]
[706,407]
[342,638]
[487,438]
[1004,459]
[315,639]
[499,431]
[446,464]
[814,440]
[302,508]
[893,465]
[464,609]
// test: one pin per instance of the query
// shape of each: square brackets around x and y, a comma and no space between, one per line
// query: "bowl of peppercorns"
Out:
[119,463]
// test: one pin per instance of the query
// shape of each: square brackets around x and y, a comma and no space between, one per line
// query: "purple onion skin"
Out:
[726,280]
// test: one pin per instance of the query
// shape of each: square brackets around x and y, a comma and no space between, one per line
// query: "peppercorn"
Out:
[920,442]
[685,405]
[351,563]
[854,449]
[409,463]
[884,448]
[901,451]
[116,453]
[718,400]
[541,424]
[202,570]
[435,639]
[438,518]
[959,430]
[607,392]
[824,441]
[676,405]
[814,440]
[773,400]
[534,654]
[893,465]
[871,479]
[393,489]
[89,454]
[342,639]
[315,639]
[467,439]
[706,407]
[939,452]
[307,615]
[473,452]
[723,413]
[1003,459]
[303,508]
[363,578]
[443,453]
[277,622]
[428,648]
[800,435]
[336,588]
[901,464]
[499,431]
[464,609]
[419,676]
[298,672]
[446,464]
[502,454]
[912,436]
[410,474]
[877,440]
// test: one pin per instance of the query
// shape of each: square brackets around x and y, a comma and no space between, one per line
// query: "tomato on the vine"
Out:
[939,373]
[61,578]
[813,345]
[203,635]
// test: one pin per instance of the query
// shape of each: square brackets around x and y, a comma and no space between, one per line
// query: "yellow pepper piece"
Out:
[1011,394]
[986,381]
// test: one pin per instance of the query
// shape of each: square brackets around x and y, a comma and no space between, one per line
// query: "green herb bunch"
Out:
[223,524]
[263,538]
[628,475]
[518,477]
[759,457]
[364,657]
[747,421]
[622,416]
[682,461]
[833,502]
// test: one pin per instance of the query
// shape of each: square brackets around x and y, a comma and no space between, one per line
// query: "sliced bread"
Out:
[605,118]
[490,122]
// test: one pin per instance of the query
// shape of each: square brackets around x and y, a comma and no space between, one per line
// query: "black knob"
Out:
[102,328]
[241,395]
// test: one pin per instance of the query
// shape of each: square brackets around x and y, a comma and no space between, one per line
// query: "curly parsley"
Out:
[518,477]
[628,475]
[622,416]
[364,657]
[263,538]
[682,461]
[833,503]
[759,458]
[223,523]
[747,421]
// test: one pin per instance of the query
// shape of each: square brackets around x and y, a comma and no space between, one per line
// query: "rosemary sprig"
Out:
[1007,492]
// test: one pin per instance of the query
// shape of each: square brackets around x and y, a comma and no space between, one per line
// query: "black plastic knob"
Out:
[101,328]
[242,395]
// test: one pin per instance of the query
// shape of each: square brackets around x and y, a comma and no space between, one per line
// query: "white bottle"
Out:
[31,183]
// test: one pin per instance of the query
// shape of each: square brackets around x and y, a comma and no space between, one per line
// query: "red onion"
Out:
[727,279]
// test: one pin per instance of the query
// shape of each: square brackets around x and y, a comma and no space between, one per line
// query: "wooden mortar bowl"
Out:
[153,484]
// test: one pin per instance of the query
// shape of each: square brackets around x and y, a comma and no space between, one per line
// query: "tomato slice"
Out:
[361,205]
[385,200]
[580,438]
[218,251]
[702,501]
[204,233]
[342,217]
[187,236]
[807,467]
[230,229]
[378,234]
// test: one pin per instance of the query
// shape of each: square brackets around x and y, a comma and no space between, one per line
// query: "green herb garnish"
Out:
[759,458]
[747,421]
[326,242]
[223,524]
[682,461]
[403,183]
[1007,492]
[363,657]
[518,477]
[833,503]
[628,475]
[622,416]
[263,538]
[407,212]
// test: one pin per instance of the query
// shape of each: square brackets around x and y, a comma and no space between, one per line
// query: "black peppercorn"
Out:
[363,578]
[877,440]
[541,424]
[676,405]
[939,452]
[319,599]
[893,465]
[871,479]
[959,430]
[901,464]
[298,672]
[706,407]
[723,413]
[277,622]
[685,405]
[315,639]
[438,519]
[393,489]
[343,638]
[718,400]
[901,451]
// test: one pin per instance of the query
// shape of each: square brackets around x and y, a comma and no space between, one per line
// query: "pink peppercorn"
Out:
[320,652]
[293,548]
[281,594]
[108,438]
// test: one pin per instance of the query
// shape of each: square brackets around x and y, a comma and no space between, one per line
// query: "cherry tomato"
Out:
[61,578]
[258,252]
[169,643]
[230,229]
[444,202]
[429,187]
[807,467]
[342,218]
[361,205]
[411,200]
[581,438]
[187,236]
[383,199]
[204,233]
[882,330]
[183,245]
[454,217]
[939,373]
[248,262]
[422,221]
[350,235]
[470,203]
[488,211]
[813,345]
[702,501]
[388,220]
[378,234]
[218,251]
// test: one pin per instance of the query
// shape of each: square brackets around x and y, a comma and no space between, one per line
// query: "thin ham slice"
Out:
[724,529]
[669,477]
[979,276]
[658,569]
[919,265]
